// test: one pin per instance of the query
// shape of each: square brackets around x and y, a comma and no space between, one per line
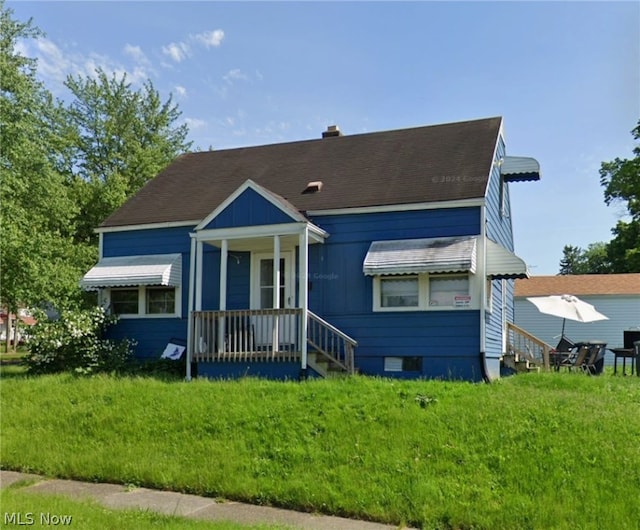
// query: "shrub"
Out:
[75,343]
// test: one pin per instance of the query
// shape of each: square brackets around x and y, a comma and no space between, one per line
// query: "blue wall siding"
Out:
[337,265]
[152,334]
[499,229]
[249,209]
[449,341]
[141,242]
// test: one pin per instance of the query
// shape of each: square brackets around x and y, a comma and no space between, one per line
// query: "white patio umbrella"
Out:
[567,306]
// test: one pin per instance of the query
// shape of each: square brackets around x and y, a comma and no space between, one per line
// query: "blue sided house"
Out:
[389,253]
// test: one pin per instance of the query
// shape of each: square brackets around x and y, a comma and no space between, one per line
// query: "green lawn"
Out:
[532,451]
[40,511]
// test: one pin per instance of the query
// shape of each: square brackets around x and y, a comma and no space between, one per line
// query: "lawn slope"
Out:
[533,451]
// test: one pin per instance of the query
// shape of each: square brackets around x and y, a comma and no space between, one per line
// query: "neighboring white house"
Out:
[25,320]
[615,295]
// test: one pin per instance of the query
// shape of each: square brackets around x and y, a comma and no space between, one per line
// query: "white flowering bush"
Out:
[75,343]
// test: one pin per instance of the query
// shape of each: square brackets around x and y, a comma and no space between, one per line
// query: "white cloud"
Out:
[136,53]
[55,63]
[181,91]
[210,38]
[235,75]
[195,123]
[178,51]
[52,62]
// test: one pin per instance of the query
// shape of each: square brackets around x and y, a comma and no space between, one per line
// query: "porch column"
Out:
[192,287]
[197,302]
[198,273]
[222,306]
[276,292]
[303,289]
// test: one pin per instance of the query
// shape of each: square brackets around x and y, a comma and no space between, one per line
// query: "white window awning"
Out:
[519,169]
[413,256]
[124,271]
[504,264]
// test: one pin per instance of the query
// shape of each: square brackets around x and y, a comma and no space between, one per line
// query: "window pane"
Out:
[399,292]
[393,364]
[266,283]
[266,297]
[266,272]
[442,291]
[161,301]
[124,301]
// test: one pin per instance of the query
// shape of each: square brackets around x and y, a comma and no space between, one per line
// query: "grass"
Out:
[532,451]
[39,511]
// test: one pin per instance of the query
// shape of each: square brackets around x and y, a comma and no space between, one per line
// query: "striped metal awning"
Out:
[413,256]
[124,271]
[504,264]
[520,169]
[448,254]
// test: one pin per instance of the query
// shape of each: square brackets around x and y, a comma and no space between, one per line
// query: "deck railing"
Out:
[331,343]
[246,334]
[267,334]
[527,346]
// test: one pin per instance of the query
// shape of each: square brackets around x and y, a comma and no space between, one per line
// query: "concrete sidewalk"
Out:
[116,496]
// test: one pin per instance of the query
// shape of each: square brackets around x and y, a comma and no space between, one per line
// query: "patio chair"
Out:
[563,355]
[594,364]
[577,360]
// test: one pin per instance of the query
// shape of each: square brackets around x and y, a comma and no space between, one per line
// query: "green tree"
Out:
[571,261]
[38,259]
[621,181]
[117,138]
[592,260]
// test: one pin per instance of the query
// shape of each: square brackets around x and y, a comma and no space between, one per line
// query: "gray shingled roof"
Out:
[423,164]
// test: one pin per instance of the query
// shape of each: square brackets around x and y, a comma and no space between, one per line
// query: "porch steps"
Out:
[520,364]
[324,366]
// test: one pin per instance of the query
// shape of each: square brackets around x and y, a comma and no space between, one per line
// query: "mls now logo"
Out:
[29,519]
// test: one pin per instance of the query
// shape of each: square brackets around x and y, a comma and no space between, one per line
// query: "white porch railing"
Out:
[267,335]
[336,346]
[246,334]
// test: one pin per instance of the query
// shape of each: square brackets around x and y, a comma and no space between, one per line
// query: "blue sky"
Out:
[565,76]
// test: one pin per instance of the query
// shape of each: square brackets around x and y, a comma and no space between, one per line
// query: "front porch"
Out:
[249,297]
[270,335]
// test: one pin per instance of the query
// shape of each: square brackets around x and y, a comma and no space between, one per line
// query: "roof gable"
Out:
[419,165]
[579,284]
[251,204]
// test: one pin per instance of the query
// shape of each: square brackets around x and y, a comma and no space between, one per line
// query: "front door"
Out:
[268,328]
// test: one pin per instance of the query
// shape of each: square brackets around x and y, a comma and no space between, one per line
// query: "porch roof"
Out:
[160,269]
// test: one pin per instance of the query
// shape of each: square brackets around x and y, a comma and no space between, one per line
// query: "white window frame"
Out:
[397,364]
[142,302]
[423,293]
[450,277]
